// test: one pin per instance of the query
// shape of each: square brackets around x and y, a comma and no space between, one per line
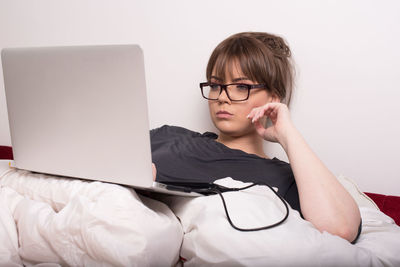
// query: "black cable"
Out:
[217,189]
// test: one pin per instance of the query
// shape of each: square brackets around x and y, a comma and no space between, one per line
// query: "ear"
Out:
[275,99]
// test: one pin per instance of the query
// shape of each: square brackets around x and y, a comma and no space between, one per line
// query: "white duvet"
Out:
[49,221]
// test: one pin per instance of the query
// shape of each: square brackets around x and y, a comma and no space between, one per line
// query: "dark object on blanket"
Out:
[213,188]
[390,205]
[6,152]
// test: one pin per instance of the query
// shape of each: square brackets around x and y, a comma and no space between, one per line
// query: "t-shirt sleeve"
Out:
[154,132]
[292,197]
[358,233]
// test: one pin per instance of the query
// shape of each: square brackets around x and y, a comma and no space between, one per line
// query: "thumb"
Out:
[259,128]
[266,133]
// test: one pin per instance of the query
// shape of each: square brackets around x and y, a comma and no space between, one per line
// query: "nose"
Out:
[223,97]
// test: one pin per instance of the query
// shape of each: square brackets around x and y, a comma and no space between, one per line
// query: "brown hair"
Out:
[263,58]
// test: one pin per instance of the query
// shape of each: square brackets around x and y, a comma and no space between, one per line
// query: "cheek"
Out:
[245,110]
[254,104]
[210,106]
[258,100]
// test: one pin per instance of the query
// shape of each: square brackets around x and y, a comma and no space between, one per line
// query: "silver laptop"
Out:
[81,112]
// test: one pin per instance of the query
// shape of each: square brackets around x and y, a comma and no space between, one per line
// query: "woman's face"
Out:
[229,117]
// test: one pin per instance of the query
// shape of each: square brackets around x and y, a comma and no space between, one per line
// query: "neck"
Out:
[251,143]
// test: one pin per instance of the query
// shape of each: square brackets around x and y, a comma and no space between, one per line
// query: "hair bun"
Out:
[278,46]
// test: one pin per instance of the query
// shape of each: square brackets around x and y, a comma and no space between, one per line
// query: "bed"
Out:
[53,221]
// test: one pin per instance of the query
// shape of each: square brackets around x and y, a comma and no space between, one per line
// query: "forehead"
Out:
[228,71]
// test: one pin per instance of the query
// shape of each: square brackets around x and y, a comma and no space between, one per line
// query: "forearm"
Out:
[323,200]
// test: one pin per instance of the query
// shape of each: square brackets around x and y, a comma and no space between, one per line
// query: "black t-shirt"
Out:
[181,155]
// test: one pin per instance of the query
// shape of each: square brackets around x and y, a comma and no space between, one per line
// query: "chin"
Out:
[233,129]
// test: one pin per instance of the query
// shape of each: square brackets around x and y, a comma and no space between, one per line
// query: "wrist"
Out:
[290,135]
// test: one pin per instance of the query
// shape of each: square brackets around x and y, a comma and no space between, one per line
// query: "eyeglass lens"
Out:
[235,92]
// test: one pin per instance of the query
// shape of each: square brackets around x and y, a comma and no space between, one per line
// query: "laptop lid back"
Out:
[79,112]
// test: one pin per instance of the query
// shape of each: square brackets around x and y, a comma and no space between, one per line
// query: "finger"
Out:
[258,114]
[268,109]
[268,112]
[259,128]
[154,171]
[273,111]
[265,111]
[253,112]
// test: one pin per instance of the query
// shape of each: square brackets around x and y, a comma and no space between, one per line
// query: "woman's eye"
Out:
[214,86]
[241,87]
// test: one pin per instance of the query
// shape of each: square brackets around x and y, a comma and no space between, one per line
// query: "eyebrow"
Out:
[234,80]
[216,78]
[241,79]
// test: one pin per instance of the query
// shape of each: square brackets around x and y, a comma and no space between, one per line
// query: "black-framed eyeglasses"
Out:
[234,91]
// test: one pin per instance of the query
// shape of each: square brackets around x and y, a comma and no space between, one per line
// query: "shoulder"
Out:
[171,131]
[279,162]
[284,168]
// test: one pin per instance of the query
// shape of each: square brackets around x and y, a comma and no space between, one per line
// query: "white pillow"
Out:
[360,197]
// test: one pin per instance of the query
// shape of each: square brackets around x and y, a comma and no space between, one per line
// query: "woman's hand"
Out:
[154,171]
[280,118]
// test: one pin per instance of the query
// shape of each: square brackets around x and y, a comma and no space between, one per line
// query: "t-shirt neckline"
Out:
[214,136]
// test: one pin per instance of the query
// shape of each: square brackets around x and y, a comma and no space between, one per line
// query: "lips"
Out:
[222,114]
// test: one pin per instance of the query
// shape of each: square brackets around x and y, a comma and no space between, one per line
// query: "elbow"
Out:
[348,233]
[351,228]
[346,229]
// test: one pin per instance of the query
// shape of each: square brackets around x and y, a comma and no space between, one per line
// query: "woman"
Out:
[250,78]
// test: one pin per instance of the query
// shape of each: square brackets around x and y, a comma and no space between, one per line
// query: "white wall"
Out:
[346,104]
